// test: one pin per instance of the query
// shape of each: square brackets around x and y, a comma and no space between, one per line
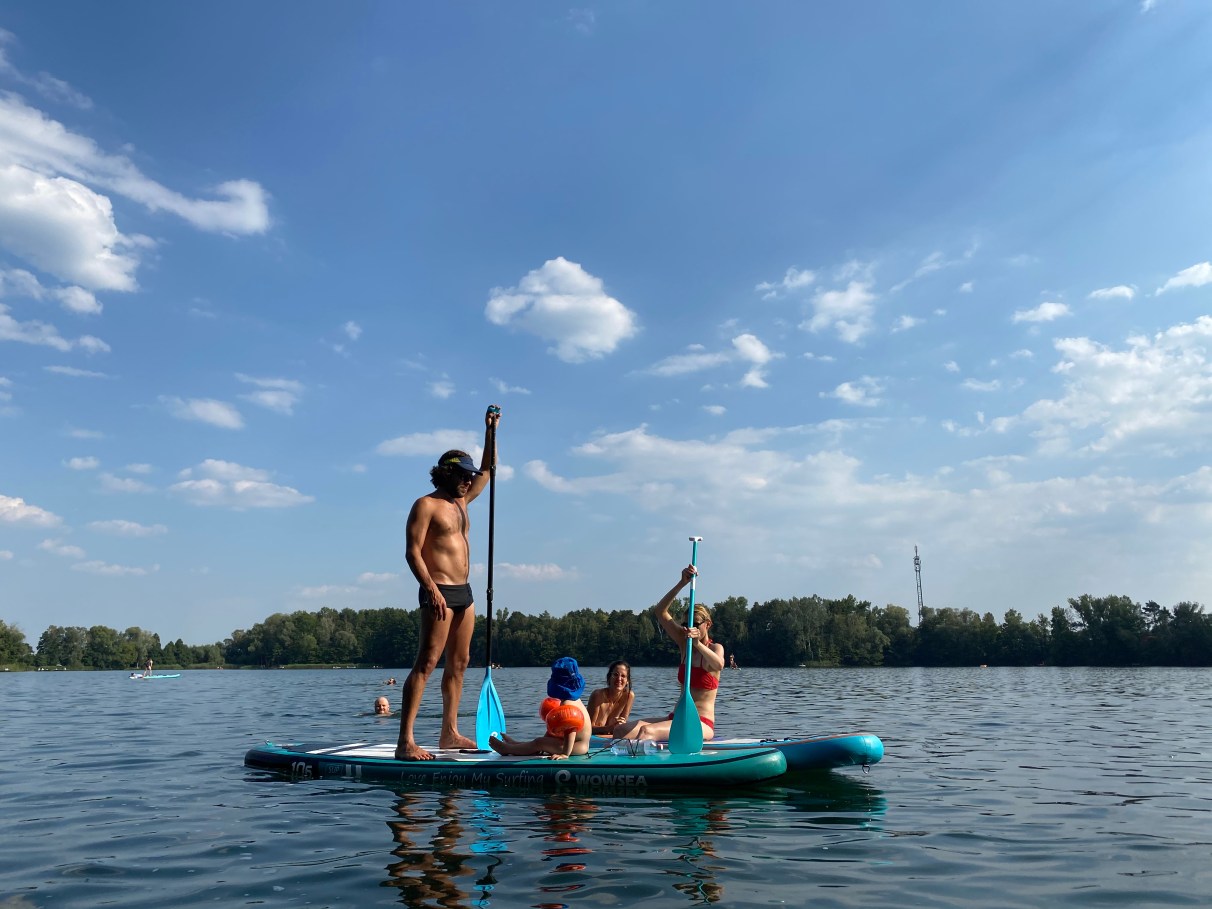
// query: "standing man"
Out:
[440,558]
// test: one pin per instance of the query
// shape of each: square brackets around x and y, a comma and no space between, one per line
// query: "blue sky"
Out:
[817,282]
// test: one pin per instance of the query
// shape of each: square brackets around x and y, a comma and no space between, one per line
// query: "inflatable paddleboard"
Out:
[169,675]
[810,752]
[599,771]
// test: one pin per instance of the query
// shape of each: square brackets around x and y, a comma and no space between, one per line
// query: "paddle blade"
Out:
[490,715]
[685,731]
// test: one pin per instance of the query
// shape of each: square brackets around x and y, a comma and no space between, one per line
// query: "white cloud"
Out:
[62,227]
[904,323]
[431,444]
[53,213]
[15,511]
[441,389]
[794,279]
[204,410]
[120,528]
[373,577]
[583,20]
[229,485]
[48,86]
[21,283]
[1156,390]
[35,332]
[546,572]
[746,348]
[6,555]
[1045,312]
[1119,291]
[105,569]
[695,361]
[716,410]
[138,468]
[505,388]
[848,311]
[58,547]
[951,366]
[111,483]
[75,372]
[88,463]
[278,395]
[864,392]
[966,287]
[976,385]
[328,590]
[352,330]
[1195,276]
[564,304]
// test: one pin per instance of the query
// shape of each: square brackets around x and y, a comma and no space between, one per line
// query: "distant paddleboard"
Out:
[167,675]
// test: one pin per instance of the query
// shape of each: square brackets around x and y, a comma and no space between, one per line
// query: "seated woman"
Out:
[707,659]
[611,706]
[567,720]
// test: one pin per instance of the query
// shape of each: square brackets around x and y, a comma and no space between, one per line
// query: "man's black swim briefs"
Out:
[458,596]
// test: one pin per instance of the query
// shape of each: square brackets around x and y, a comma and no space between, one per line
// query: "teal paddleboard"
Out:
[601,770]
[807,752]
[168,675]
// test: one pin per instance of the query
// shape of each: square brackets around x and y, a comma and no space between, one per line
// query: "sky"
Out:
[820,283]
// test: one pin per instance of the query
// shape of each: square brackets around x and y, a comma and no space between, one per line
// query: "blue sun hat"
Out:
[566,682]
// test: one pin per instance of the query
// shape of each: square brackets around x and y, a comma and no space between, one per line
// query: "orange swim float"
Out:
[546,706]
[565,719]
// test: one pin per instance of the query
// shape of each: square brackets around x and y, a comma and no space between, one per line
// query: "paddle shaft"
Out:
[686,729]
[492,519]
[694,563]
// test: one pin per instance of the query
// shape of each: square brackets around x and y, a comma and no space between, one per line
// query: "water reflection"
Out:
[461,848]
[428,834]
[566,821]
[697,822]
[835,798]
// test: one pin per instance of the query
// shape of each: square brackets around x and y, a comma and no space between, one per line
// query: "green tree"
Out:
[13,647]
[62,646]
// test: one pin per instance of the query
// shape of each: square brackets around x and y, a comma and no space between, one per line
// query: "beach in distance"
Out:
[1033,787]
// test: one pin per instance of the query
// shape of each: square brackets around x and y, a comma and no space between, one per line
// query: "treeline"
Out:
[809,631]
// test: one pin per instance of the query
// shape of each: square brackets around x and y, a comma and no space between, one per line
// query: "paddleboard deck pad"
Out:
[594,772]
[807,752]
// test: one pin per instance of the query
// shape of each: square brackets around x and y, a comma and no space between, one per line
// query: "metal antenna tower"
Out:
[917,568]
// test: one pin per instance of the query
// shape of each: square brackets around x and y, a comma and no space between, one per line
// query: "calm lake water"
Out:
[1000,787]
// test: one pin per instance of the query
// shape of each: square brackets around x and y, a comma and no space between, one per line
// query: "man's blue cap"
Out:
[566,682]
[463,461]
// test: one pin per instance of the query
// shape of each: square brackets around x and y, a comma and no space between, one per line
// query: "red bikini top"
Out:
[699,677]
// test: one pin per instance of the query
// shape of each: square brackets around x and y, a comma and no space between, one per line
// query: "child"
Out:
[568,725]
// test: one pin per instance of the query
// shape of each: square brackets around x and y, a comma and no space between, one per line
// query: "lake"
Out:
[1000,787]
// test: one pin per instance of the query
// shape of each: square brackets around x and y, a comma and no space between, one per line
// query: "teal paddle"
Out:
[686,730]
[490,716]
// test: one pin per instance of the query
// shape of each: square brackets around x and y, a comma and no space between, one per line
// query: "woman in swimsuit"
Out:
[610,706]
[706,661]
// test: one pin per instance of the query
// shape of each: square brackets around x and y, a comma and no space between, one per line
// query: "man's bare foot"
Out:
[456,741]
[412,752]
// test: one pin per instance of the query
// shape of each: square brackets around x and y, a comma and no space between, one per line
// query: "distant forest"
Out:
[804,631]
